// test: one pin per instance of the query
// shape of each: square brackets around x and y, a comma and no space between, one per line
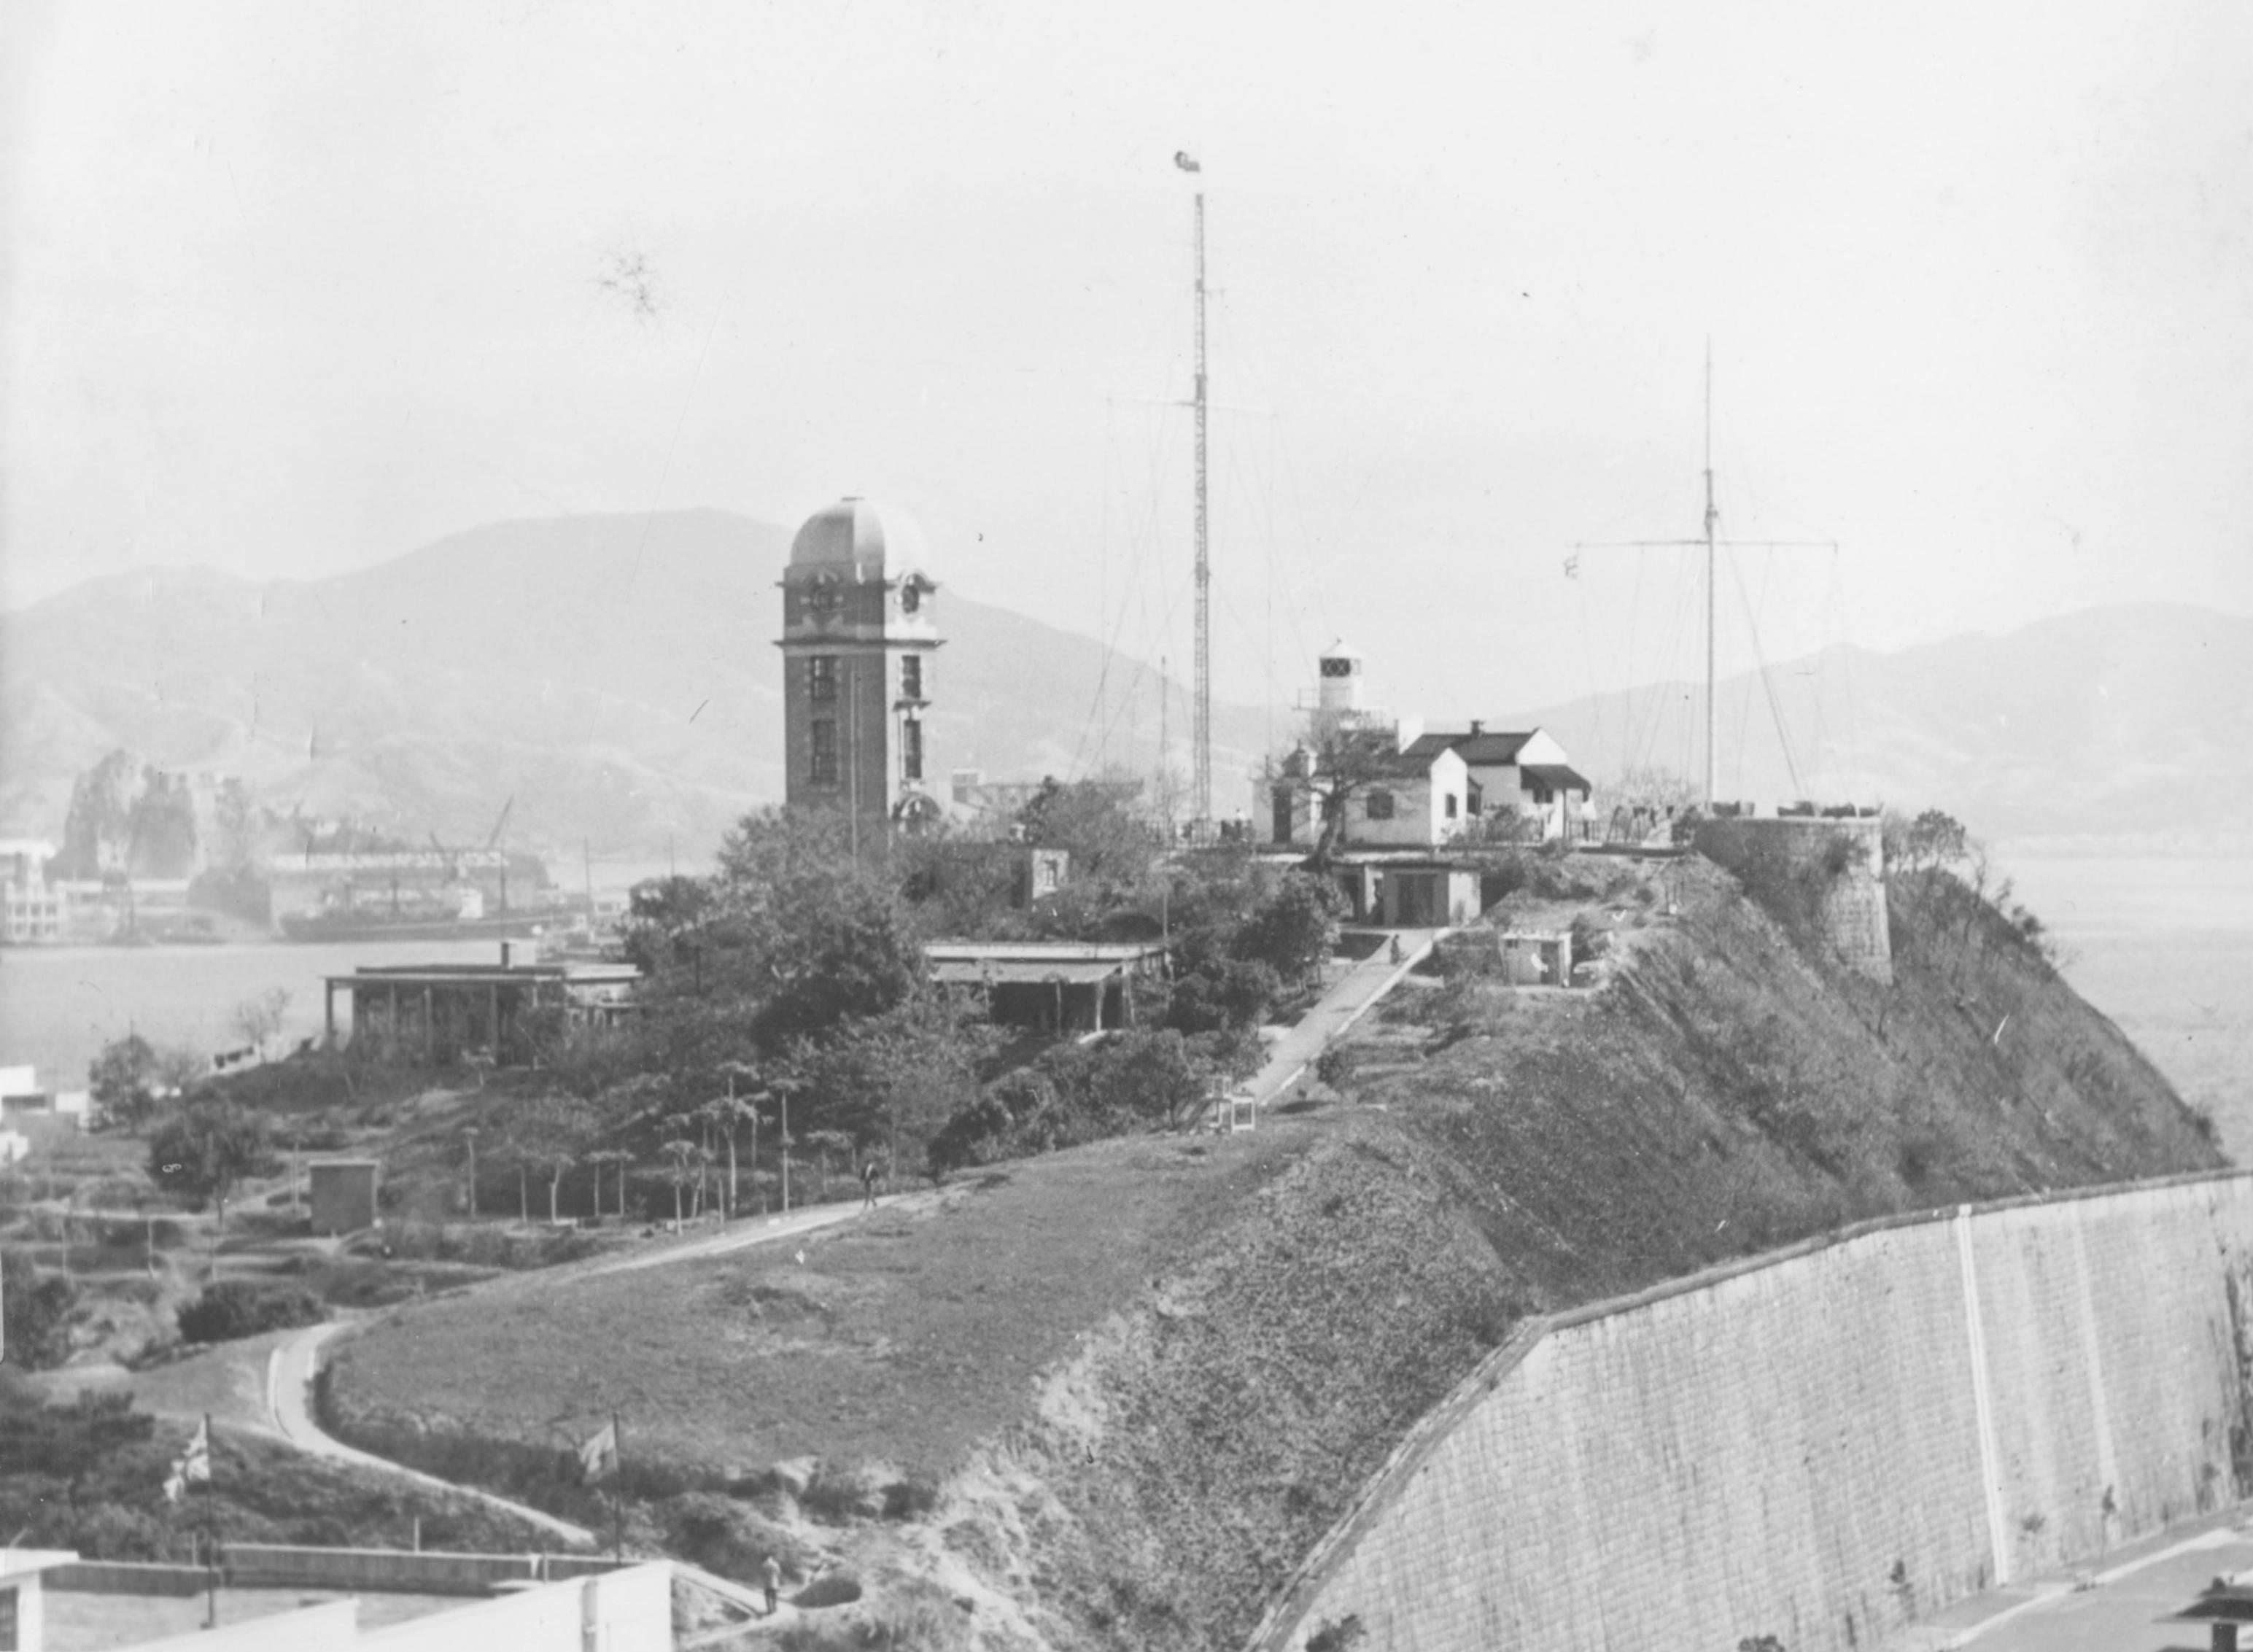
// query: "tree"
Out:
[123,1081]
[38,1308]
[161,828]
[1293,930]
[235,823]
[730,1113]
[663,916]
[895,1078]
[205,1149]
[548,1131]
[619,1157]
[810,934]
[261,1018]
[1094,822]
[1342,757]
[680,1168]
[1933,842]
[97,829]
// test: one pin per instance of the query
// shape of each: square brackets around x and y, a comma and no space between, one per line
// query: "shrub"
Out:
[1347,1632]
[233,1309]
[832,1589]
[834,1494]
[1334,1066]
[910,1499]
[38,1310]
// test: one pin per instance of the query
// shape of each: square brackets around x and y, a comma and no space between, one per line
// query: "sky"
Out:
[291,290]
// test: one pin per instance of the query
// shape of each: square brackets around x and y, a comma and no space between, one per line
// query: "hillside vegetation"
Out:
[1109,1397]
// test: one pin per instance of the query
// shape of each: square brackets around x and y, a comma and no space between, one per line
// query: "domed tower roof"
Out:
[1341,648]
[859,534]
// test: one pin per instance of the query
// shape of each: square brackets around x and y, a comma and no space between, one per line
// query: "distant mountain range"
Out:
[615,676]
[2124,720]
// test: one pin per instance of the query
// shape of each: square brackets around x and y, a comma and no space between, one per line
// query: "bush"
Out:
[234,1308]
[910,1499]
[834,1589]
[1336,1064]
[38,1310]
[835,1494]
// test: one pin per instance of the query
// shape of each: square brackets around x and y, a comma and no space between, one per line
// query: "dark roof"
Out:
[1411,764]
[1019,972]
[1557,777]
[1481,750]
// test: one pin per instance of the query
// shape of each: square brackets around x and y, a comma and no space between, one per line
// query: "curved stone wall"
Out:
[1823,1445]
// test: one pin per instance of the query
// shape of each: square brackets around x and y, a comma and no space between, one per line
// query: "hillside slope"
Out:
[1152,1373]
[615,674]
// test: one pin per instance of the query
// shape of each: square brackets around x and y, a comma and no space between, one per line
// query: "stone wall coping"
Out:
[1281,1620]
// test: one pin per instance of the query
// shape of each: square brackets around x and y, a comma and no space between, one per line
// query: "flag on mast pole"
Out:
[1186,161]
[598,1457]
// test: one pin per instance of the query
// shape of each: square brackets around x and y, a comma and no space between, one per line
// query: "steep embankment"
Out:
[1273,1317]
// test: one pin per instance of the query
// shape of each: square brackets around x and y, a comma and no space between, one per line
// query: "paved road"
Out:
[2125,1607]
[1337,1009]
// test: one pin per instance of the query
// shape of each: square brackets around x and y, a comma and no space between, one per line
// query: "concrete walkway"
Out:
[1337,1009]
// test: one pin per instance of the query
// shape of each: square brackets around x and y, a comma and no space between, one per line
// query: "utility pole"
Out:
[1711,543]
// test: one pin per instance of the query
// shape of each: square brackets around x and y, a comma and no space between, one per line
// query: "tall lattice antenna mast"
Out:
[1713,516]
[1203,714]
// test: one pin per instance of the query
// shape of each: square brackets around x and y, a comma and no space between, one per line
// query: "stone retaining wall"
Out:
[1822,1445]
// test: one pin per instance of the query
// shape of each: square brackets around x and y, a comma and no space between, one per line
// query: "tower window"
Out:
[821,677]
[911,748]
[821,768]
[1379,805]
[910,597]
[911,677]
[1337,667]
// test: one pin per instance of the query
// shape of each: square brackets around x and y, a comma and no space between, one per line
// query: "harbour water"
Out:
[59,1005]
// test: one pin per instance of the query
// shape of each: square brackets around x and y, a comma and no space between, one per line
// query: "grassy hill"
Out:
[1108,1397]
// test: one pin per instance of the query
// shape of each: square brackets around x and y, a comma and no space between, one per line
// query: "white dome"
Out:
[861,532]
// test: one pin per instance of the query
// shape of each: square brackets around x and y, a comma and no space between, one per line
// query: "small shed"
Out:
[1429,895]
[344,1194]
[1538,958]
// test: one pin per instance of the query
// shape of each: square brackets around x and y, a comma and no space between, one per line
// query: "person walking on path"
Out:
[870,1174]
[774,1584]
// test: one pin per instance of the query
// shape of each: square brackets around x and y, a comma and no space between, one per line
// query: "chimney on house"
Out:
[1477,728]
